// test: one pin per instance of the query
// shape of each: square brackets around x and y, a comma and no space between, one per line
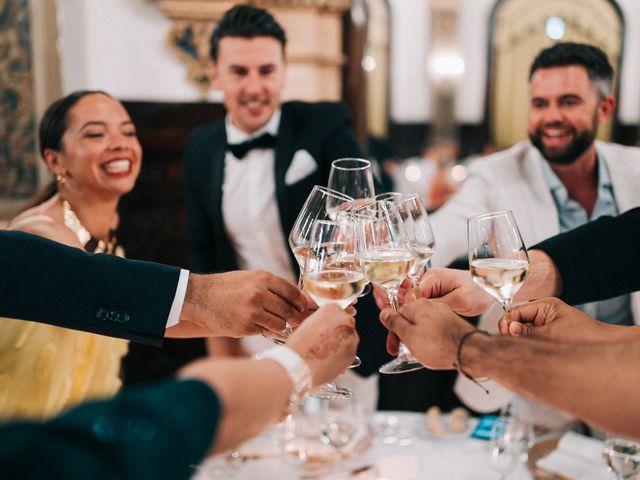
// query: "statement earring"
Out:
[60,180]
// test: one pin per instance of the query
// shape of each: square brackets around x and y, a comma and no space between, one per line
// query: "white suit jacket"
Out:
[513,180]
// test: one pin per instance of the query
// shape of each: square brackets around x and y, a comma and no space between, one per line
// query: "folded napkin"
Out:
[577,457]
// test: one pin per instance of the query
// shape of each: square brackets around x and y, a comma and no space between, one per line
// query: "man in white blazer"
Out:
[558,180]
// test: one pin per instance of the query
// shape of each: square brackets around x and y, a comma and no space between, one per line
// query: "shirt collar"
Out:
[559,191]
[235,135]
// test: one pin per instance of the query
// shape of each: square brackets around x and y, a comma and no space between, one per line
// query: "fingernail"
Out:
[384,314]
[515,328]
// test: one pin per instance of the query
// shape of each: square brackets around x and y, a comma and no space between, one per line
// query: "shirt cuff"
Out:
[178,300]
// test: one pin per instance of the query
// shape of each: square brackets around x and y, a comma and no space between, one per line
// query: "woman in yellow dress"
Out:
[89,143]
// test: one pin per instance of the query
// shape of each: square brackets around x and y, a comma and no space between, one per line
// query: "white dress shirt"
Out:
[249,206]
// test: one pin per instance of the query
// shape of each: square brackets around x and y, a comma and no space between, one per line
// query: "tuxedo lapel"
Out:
[217,154]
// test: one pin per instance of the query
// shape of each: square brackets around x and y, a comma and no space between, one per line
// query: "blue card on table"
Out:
[484,427]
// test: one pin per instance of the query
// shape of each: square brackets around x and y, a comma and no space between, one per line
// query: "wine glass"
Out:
[416,221]
[339,422]
[622,456]
[511,438]
[352,177]
[498,259]
[321,204]
[385,252]
[332,274]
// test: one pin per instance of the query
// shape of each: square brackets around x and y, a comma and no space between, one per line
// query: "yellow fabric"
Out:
[46,369]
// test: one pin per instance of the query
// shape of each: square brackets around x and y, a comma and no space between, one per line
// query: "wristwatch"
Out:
[298,371]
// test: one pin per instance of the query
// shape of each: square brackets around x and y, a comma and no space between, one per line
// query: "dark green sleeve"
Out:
[153,432]
[598,260]
[48,282]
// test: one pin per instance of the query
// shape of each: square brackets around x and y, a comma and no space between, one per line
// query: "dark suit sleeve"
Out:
[598,260]
[153,432]
[48,282]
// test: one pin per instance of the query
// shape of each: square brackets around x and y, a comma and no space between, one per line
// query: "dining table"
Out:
[412,452]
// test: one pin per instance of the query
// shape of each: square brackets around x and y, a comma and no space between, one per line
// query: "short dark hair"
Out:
[56,120]
[246,21]
[564,54]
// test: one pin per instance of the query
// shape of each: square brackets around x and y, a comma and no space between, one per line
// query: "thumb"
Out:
[394,322]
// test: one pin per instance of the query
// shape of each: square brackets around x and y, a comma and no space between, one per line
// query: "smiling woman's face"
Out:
[100,153]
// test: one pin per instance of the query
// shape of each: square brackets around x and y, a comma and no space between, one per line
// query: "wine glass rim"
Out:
[334,193]
[491,215]
[366,163]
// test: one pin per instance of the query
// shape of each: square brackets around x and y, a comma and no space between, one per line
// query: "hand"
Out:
[327,340]
[382,299]
[240,303]
[552,319]
[430,329]
[457,289]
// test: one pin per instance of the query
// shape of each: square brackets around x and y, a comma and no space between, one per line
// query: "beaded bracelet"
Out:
[458,364]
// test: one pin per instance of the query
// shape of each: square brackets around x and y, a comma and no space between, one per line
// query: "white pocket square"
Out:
[302,165]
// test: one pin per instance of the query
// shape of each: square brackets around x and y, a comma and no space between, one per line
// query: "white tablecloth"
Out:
[451,457]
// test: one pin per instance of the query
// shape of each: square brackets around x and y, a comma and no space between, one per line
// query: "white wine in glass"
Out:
[498,259]
[416,221]
[332,273]
[387,258]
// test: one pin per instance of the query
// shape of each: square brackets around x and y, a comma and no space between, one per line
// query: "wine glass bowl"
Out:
[352,177]
[498,259]
[622,457]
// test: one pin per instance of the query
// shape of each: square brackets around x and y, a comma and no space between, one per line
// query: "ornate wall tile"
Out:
[18,169]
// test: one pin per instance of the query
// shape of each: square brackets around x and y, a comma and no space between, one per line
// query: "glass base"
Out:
[397,366]
[356,362]
[278,338]
[330,390]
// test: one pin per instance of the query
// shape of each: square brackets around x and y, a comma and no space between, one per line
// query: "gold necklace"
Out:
[90,244]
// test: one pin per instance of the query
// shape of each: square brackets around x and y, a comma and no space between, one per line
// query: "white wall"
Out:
[120,46]
[410,88]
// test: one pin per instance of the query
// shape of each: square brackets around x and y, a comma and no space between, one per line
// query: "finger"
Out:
[516,329]
[351,310]
[411,295]
[393,343]
[503,326]
[288,292]
[537,313]
[395,322]
[270,322]
[279,307]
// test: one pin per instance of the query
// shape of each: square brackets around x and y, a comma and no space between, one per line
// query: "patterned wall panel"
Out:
[18,169]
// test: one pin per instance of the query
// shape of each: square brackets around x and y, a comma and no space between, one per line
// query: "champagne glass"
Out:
[332,274]
[385,251]
[416,221]
[498,259]
[622,456]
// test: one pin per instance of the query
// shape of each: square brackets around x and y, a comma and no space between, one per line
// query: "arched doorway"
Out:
[519,30]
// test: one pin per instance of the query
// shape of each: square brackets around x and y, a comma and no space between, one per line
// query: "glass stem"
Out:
[506,306]
[414,280]
[404,354]
[392,295]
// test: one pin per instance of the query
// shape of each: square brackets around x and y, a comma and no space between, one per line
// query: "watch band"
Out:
[298,371]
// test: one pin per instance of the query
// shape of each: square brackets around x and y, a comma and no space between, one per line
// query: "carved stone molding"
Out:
[314,47]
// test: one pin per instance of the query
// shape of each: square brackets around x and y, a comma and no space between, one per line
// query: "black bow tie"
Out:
[239,150]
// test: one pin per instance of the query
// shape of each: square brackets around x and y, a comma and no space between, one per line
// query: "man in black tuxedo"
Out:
[248,176]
